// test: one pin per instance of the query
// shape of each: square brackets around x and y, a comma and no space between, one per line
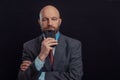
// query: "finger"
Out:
[52,41]
[50,38]
[28,62]
[25,64]
[23,67]
[47,39]
[53,44]
[49,42]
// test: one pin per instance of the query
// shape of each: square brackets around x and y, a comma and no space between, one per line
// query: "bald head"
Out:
[49,9]
[49,18]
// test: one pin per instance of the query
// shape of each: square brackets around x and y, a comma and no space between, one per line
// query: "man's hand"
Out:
[46,47]
[25,65]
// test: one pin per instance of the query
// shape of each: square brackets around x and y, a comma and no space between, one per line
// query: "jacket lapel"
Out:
[59,51]
[47,64]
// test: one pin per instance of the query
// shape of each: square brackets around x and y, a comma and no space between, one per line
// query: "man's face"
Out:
[49,19]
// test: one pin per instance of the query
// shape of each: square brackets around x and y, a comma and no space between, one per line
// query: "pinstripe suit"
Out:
[67,60]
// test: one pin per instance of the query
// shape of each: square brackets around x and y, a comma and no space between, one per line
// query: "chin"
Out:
[51,29]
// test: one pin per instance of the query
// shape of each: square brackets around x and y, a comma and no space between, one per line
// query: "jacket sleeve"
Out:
[75,68]
[31,73]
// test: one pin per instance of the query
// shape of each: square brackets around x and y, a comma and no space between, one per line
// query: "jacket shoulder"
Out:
[71,41]
[32,41]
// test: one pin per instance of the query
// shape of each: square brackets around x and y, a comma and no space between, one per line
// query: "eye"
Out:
[54,19]
[44,19]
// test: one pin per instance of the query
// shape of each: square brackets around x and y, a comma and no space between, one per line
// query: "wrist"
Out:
[41,57]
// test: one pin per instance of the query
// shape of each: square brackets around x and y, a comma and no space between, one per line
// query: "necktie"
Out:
[51,57]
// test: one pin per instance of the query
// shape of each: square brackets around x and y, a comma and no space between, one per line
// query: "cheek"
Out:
[59,24]
[43,24]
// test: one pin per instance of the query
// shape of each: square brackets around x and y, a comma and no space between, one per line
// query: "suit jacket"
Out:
[67,60]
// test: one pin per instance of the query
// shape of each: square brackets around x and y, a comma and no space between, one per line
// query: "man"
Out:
[67,60]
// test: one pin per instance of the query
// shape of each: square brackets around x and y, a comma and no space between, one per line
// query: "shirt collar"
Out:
[57,35]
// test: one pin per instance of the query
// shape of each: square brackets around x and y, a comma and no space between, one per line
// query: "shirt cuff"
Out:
[38,63]
[42,76]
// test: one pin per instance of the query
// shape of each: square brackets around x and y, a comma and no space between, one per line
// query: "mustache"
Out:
[49,27]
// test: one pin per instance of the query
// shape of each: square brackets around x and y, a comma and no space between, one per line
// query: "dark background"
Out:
[96,23]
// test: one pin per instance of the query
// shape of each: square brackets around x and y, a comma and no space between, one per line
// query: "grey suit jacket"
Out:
[67,60]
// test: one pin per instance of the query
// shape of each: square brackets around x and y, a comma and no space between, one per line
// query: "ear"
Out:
[60,21]
[39,22]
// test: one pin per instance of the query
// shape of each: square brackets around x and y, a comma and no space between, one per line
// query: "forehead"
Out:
[49,11]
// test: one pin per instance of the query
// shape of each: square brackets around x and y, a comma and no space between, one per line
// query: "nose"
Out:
[49,22]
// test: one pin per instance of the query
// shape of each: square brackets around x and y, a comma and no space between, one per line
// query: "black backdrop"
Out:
[94,22]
